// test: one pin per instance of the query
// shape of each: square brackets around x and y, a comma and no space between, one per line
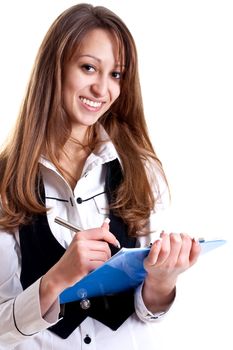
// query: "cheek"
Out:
[71,90]
[116,92]
[73,82]
[71,86]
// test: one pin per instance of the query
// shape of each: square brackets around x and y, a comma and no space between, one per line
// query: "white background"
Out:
[185,53]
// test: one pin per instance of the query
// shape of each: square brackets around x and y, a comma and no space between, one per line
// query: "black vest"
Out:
[40,251]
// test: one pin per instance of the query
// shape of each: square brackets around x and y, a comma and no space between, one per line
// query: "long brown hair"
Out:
[41,119]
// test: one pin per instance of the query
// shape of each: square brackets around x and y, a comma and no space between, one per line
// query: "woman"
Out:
[81,151]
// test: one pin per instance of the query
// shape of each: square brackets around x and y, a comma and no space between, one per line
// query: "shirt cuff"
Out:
[27,312]
[142,312]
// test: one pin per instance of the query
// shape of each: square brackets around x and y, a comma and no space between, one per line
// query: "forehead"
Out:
[102,43]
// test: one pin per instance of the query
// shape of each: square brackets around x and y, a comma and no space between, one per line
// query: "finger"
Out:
[183,259]
[105,224]
[94,265]
[98,256]
[195,251]
[152,257]
[99,246]
[83,247]
[105,228]
[175,247]
[165,248]
[97,234]
[90,265]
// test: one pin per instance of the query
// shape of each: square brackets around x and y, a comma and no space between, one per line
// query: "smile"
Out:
[90,103]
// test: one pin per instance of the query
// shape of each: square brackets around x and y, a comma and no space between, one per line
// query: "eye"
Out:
[88,67]
[116,75]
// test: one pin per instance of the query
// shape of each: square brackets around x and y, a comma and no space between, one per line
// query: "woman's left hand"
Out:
[169,256]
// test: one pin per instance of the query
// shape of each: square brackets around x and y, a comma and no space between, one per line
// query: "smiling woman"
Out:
[91,85]
[81,151]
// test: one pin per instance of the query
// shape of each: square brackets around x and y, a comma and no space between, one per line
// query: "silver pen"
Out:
[67,224]
[75,228]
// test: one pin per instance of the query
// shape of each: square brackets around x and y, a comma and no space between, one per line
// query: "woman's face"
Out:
[92,79]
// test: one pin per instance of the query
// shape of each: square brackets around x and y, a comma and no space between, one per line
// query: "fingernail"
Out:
[107,220]
[118,244]
[162,233]
[157,241]
[196,240]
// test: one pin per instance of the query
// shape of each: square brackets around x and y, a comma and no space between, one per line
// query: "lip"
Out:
[89,107]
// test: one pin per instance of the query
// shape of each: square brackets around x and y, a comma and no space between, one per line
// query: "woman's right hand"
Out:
[88,250]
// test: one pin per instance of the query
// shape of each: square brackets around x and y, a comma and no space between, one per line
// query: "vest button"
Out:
[79,200]
[87,339]
[85,304]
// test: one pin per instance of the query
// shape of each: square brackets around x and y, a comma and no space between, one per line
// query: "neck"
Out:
[73,156]
[81,134]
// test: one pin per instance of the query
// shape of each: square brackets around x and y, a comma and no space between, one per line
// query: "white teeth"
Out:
[90,103]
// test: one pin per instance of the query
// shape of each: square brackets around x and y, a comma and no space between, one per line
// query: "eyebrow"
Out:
[91,56]
[99,60]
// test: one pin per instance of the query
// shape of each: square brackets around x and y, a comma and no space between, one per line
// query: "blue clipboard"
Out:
[121,272]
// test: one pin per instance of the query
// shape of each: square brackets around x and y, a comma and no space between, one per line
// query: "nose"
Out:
[100,86]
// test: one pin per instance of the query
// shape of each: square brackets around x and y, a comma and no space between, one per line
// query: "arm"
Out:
[170,255]
[20,314]
[25,313]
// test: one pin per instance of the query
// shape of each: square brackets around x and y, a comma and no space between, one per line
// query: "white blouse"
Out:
[21,325]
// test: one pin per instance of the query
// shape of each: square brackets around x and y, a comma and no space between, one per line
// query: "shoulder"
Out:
[7,241]
[8,255]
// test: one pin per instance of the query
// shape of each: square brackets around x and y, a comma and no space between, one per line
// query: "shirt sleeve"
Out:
[142,312]
[20,314]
